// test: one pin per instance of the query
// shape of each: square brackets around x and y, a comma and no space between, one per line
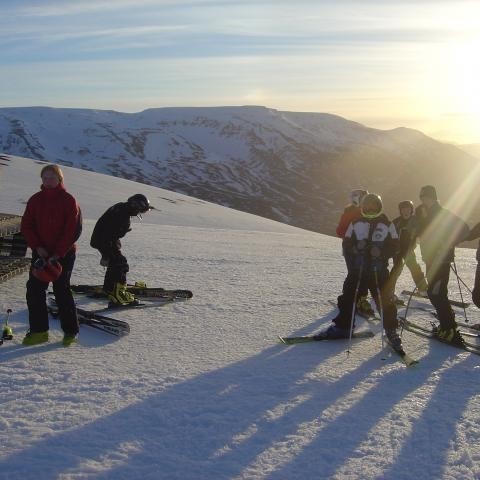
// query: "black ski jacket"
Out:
[439,231]
[110,227]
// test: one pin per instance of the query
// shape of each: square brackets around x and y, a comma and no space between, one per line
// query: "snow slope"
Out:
[202,389]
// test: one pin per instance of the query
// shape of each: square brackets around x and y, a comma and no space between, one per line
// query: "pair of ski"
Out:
[430,333]
[140,291]
[404,357]
[97,321]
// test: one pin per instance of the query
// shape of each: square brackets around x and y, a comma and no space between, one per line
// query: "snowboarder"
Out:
[439,232]
[369,242]
[405,225]
[51,224]
[110,227]
[352,212]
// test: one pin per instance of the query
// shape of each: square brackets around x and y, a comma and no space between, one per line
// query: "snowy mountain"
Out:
[202,389]
[296,168]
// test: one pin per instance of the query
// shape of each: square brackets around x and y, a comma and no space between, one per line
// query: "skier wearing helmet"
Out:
[369,241]
[109,229]
[406,227]
[353,212]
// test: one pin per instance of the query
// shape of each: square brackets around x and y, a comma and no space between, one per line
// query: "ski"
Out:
[100,322]
[404,357]
[429,333]
[456,303]
[137,290]
[315,338]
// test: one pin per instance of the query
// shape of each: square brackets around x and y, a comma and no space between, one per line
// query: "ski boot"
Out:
[449,335]
[334,332]
[68,339]
[393,338]
[121,297]
[364,308]
[35,338]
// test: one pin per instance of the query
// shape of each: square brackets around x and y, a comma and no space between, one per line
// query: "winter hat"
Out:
[429,192]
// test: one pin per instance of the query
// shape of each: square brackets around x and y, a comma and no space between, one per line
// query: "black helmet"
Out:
[139,203]
[372,205]
[357,195]
[406,204]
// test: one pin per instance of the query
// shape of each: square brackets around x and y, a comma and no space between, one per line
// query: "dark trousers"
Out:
[476,287]
[410,261]
[438,275]
[117,269]
[368,282]
[37,299]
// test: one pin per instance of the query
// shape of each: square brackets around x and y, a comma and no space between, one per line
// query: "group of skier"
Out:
[51,224]
[370,240]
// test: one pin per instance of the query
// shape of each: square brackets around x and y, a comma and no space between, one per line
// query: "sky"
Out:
[382,63]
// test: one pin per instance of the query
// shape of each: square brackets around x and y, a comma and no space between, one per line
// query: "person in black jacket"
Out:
[369,241]
[406,226]
[110,227]
[439,232]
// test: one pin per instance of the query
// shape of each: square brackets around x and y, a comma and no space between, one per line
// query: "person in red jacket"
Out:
[51,224]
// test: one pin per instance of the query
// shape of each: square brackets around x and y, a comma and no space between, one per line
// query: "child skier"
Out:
[353,212]
[369,241]
[110,227]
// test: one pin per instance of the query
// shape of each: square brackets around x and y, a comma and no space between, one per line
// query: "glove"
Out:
[104,261]
[375,252]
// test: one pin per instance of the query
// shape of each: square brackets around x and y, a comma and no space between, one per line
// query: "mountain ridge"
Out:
[293,167]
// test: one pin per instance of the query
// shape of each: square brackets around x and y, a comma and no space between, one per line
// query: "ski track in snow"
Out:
[202,389]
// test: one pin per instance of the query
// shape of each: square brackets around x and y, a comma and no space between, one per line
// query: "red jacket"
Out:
[52,220]
[351,213]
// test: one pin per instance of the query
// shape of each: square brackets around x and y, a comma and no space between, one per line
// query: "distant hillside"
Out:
[297,168]
[473,149]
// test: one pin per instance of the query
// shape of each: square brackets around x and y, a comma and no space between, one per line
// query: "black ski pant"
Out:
[374,283]
[476,287]
[410,260]
[117,269]
[438,275]
[37,299]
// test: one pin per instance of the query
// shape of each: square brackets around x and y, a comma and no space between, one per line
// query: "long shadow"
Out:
[340,439]
[211,426]
[431,438]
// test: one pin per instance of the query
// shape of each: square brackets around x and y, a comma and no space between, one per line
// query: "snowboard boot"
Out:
[120,296]
[35,338]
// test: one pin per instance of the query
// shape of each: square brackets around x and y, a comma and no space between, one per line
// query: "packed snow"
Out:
[203,389]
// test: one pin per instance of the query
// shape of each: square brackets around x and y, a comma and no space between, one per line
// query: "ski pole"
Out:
[459,289]
[458,277]
[380,303]
[7,333]
[354,307]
